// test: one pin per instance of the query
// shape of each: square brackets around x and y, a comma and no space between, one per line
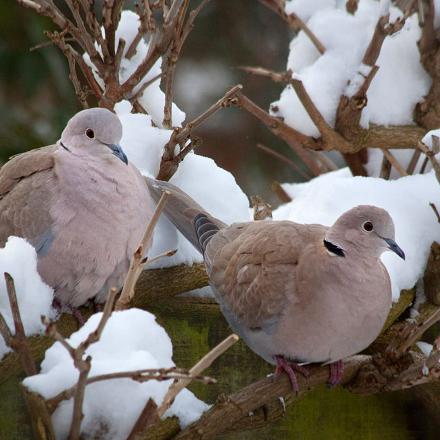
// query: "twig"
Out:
[170,161]
[181,33]
[411,331]
[394,162]
[144,85]
[147,418]
[261,209]
[430,155]
[434,208]
[138,261]
[278,77]
[385,169]
[331,137]
[17,342]
[293,21]
[351,6]
[413,162]
[280,192]
[204,363]
[158,374]
[284,159]
[296,140]
[83,365]
[169,253]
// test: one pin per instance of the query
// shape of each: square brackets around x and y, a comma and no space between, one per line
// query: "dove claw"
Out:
[289,368]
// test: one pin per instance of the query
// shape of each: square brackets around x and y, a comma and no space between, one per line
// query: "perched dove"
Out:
[295,293]
[81,204]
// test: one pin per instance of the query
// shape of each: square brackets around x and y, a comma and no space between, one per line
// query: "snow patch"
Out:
[34,297]
[131,340]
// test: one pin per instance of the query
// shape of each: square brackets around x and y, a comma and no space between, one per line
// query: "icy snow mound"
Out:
[34,297]
[132,340]
[400,83]
[323,199]
[214,188]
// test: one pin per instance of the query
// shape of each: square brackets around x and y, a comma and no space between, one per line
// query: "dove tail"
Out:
[186,214]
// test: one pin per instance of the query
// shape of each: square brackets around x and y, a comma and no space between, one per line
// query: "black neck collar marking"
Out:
[64,147]
[332,248]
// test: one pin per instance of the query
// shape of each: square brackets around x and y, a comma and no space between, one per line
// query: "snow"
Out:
[34,297]
[427,139]
[424,347]
[214,188]
[437,14]
[306,8]
[398,85]
[131,340]
[323,199]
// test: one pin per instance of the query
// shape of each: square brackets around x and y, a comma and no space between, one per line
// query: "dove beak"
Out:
[118,152]
[393,246]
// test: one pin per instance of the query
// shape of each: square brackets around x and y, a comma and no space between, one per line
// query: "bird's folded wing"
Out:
[254,268]
[25,197]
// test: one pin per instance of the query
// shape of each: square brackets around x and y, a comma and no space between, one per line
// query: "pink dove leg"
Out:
[336,372]
[289,368]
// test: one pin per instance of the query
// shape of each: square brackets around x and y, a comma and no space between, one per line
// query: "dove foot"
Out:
[336,372]
[290,368]
[69,309]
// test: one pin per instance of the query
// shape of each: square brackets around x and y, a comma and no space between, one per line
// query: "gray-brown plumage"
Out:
[81,204]
[306,293]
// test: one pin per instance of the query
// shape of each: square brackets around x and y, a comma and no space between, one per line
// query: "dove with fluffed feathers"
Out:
[295,293]
[81,204]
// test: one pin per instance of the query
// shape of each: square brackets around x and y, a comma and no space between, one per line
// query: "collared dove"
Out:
[81,204]
[295,293]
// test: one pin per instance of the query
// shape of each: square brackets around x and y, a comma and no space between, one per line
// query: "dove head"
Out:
[367,230]
[95,132]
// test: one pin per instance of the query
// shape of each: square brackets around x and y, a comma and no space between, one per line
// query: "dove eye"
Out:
[90,133]
[368,226]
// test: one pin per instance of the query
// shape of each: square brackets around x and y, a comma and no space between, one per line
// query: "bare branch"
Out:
[17,342]
[169,64]
[394,162]
[280,192]
[261,209]
[293,21]
[159,374]
[434,208]
[412,330]
[330,136]
[284,159]
[296,140]
[430,155]
[204,363]
[137,262]
[170,161]
[278,77]
[385,169]
[413,162]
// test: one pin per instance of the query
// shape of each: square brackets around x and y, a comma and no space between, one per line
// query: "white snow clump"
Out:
[19,259]
[131,340]
[400,83]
